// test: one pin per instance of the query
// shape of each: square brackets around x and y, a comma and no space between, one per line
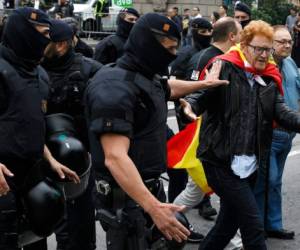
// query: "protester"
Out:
[223,10]
[236,134]
[281,140]
[185,27]
[291,19]
[215,16]
[296,46]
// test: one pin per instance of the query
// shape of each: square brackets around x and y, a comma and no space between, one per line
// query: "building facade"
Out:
[206,6]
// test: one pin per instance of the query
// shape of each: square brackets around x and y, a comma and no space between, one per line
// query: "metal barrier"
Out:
[92,25]
[5,12]
[89,24]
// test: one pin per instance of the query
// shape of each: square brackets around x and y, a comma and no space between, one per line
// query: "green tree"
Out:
[272,11]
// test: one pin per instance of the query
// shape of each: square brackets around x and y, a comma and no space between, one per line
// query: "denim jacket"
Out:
[291,83]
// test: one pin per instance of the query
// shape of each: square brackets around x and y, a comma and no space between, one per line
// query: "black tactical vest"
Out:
[66,94]
[22,129]
[148,143]
[66,89]
[148,147]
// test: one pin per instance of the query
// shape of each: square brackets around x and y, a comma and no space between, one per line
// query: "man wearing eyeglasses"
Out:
[236,134]
[282,138]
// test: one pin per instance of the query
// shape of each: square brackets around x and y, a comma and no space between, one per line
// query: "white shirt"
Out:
[245,165]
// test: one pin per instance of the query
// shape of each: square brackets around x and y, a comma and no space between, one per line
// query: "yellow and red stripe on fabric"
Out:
[182,151]
[236,56]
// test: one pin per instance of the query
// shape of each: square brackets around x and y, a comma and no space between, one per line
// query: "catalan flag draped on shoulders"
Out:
[183,146]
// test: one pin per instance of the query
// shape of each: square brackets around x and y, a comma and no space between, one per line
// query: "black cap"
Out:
[34,16]
[130,11]
[60,31]
[162,25]
[243,8]
[72,22]
[199,23]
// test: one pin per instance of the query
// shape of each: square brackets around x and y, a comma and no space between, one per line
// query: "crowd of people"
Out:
[83,132]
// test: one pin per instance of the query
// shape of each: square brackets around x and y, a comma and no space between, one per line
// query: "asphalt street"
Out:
[291,206]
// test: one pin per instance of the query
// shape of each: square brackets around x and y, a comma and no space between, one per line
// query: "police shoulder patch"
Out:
[195,75]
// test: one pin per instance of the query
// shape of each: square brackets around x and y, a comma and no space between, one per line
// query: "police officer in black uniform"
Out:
[111,48]
[127,114]
[182,67]
[69,73]
[23,93]
[79,45]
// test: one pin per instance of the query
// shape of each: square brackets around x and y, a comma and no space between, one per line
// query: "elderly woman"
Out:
[236,134]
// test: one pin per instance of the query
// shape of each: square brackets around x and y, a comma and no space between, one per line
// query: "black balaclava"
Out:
[125,27]
[201,41]
[21,36]
[246,9]
[245,23]
[143,52]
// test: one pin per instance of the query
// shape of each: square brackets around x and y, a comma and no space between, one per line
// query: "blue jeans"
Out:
[281,146]
[238,210]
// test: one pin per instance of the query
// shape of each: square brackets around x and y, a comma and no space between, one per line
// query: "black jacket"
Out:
[22,106]
[222,106]
[110,49]
[180,67]
[69,76]
[84,48]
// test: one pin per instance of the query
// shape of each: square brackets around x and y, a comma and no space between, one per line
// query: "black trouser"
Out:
[8,222]
[124,239]
[39,245]
[134,233]
[77,231]
[238,210]
[177,182]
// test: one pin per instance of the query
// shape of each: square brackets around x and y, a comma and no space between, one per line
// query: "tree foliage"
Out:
[271,11]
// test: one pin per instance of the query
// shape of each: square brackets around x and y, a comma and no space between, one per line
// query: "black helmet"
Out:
[173,244]
[59,123]
[157,238]
[44,207]
[69,151]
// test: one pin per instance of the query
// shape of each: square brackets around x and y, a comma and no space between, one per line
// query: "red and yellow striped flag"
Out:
[182,150]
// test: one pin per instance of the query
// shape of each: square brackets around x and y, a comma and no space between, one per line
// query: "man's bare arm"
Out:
[124,171]
[180,88]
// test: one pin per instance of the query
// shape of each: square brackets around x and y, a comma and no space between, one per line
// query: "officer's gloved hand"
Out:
[163,215]
[4,188]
